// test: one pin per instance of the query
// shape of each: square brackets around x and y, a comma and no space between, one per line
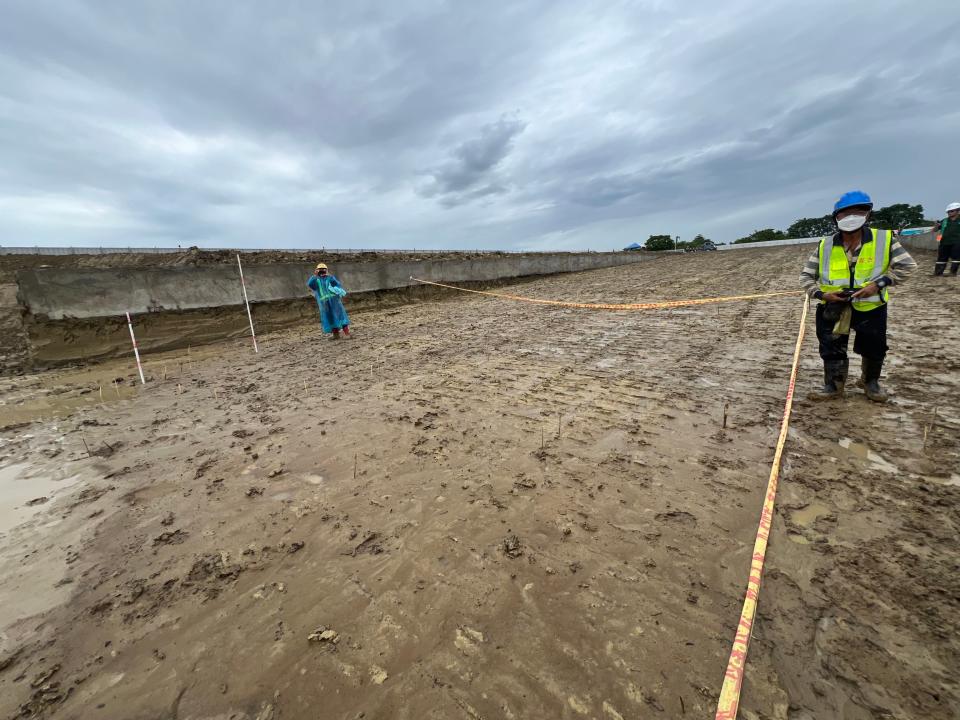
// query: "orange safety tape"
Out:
[729,701]
[610,306]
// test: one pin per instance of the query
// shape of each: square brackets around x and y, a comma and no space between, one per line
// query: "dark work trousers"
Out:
[870,327]
[947,252]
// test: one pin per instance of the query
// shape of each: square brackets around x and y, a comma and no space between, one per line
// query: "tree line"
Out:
[892,217]
[667,242]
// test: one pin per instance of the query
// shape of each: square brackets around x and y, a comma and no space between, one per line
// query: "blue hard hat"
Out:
[854,198]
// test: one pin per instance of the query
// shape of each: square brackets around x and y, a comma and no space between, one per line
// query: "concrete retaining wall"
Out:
[924,241]
[770,243]
[63,293]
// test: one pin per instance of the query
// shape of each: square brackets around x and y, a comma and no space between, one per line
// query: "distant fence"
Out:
[770,243]
[918,241]
[41,250]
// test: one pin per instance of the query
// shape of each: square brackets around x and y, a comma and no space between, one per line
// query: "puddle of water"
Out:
[865,453]
[18,487]
[60,393]
[805,516]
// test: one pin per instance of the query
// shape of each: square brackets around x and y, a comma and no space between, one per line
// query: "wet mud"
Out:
[484,509]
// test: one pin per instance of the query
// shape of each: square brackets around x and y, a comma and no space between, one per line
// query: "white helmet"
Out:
[953,206]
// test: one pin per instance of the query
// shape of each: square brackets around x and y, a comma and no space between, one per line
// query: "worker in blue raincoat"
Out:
[328,291]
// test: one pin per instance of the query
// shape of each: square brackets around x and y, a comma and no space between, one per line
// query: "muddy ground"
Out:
[485,509]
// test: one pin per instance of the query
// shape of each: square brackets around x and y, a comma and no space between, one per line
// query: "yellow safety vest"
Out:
[872,263]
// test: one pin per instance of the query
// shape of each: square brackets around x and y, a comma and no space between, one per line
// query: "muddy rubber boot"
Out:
[346,332]
[870,380]
[336,335]
[834,378]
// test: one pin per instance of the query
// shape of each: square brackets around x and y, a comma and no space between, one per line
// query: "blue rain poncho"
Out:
[328,291]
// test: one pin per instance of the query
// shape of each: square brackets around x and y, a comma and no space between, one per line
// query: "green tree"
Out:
[812,227]
[762,236]
[897,217]
[659,242]
[698,241]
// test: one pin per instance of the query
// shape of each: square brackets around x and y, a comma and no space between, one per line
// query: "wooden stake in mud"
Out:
[101,392]
[725,406]
[541,437]
[86,447]
[136,350]
[116,387]
[164,371]
[246,301]
[355,466]
[559,418]
[927,429]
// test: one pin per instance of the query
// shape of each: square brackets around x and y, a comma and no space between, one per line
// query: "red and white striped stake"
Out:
[136,351]
[245,300]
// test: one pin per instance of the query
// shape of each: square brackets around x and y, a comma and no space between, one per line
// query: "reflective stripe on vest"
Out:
[872,263]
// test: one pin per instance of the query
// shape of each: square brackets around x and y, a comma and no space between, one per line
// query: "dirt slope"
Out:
[483,509]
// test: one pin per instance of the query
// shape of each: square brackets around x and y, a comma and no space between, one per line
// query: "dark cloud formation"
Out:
[449,124]
[468,174]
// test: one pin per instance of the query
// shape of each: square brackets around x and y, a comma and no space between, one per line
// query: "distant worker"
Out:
[328,291]
[849,274]
[949,239]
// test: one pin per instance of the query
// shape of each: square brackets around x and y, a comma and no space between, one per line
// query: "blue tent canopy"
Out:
[634,246]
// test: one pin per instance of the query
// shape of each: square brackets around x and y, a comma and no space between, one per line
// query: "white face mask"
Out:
[852,223]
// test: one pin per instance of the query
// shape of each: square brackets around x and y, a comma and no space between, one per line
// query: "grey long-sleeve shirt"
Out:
[901,265]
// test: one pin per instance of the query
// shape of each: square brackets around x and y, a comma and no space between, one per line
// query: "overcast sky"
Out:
[518,125]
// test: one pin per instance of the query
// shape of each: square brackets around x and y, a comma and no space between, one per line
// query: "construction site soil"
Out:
[479,508]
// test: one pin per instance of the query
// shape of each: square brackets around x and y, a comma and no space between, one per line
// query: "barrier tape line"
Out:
[729,701]
[612,306]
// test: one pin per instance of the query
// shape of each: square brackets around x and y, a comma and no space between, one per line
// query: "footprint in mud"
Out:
[677,516]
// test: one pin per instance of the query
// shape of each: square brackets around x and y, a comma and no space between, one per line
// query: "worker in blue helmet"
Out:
[850,274]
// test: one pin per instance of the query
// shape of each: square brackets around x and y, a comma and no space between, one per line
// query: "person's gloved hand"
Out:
[338,291]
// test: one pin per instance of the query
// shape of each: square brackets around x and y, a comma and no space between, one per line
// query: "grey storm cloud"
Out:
[467,174]
[534,124]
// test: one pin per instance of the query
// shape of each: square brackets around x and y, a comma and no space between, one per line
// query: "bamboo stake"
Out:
[136,350]
[253,335]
